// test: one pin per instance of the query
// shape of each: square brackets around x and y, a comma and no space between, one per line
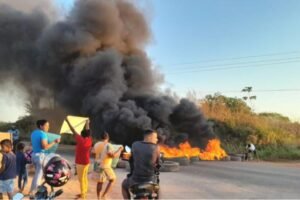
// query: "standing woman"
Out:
[82,156]
[39,141]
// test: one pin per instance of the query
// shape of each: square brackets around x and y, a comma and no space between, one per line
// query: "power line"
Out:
[254,91]
[278,90]
[234,58]
[241,63]
[266,90]
[229,68]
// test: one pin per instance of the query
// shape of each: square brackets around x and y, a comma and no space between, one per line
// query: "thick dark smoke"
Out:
[93,63]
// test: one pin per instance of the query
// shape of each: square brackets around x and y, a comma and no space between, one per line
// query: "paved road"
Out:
[223,180]
[233,180]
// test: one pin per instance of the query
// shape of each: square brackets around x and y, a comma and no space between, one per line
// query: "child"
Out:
[8,169]
[21,166]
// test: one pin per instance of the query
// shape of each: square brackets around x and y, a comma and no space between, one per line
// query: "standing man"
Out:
[250,149]
[82,156]
[104,156]
[39,141]
[15,135]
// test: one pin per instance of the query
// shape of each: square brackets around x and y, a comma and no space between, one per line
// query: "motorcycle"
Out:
[56,173]
[146,190]
[41,194]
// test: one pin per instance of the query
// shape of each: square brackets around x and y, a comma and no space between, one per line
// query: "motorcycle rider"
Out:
[143,162]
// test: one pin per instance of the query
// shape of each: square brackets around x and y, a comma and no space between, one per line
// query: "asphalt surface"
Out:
[221,180]
[233,180]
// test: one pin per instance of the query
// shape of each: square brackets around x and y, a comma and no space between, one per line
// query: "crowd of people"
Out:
[144,159]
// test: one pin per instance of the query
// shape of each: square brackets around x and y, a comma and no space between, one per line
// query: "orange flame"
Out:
[188,150]
[213,151]
[170,152]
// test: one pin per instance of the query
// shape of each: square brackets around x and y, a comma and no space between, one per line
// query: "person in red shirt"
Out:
[82,156]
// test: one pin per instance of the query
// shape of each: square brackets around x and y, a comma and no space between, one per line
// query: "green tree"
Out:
[249,97]
[234,104]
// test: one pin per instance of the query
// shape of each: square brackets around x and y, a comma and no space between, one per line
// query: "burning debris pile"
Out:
[93,63]
[213,151]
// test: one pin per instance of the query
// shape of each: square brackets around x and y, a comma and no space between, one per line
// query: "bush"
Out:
[235,124]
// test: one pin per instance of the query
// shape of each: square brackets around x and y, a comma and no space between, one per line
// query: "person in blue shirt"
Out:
[8,169]
[39,141]
[21,166]
[15,135]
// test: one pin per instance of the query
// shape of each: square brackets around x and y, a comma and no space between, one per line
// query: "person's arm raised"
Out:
[87,124]
[71,127]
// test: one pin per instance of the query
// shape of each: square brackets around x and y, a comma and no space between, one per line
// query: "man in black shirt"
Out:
[144,161]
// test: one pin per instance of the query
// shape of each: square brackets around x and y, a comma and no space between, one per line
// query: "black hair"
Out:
[104,135]
[148,132]
[6,142]
[20,146]
[41,122]
[85,133]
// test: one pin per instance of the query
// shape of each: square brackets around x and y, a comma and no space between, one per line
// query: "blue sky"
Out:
[201,30]
[263,37]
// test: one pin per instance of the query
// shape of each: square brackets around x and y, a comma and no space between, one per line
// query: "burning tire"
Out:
[194,159]
[240,155]
[226,158]
[235,158]
[183,161]
[170,166]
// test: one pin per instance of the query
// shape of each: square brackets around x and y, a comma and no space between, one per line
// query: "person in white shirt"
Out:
[250,149]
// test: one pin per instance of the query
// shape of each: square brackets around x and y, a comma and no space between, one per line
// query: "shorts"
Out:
[7,186]
[107,174]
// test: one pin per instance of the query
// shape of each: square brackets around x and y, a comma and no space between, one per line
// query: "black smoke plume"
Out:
[93,63]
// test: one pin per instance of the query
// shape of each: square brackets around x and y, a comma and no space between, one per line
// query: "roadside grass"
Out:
[273,153]
[267,152]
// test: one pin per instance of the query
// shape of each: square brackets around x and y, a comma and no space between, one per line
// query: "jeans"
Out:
[37,160]
[22,179]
